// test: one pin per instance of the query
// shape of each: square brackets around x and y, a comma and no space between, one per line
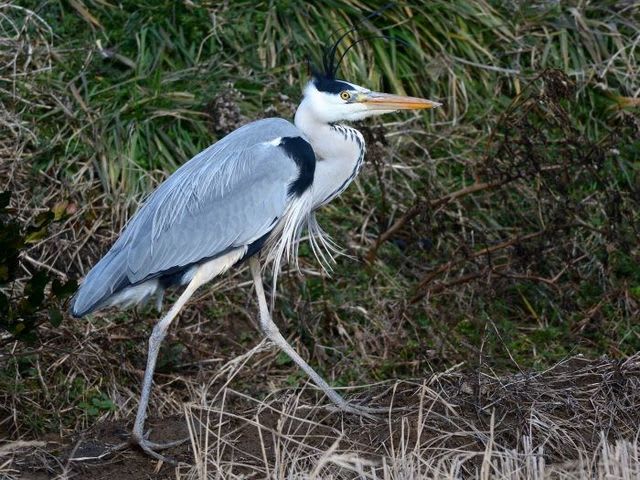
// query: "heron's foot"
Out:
[360,410]
[152,448]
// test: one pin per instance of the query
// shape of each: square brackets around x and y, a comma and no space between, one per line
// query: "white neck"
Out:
[339,153]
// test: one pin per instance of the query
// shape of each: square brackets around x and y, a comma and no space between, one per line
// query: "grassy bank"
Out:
[499,232]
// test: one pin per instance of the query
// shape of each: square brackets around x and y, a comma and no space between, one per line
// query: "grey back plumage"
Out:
[227,196]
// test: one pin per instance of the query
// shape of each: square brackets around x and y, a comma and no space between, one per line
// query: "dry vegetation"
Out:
[495,243]
[575,420]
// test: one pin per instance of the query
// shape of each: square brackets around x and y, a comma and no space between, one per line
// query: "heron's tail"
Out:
[105,278]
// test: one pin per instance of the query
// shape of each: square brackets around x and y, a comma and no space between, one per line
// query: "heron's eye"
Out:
[344,95]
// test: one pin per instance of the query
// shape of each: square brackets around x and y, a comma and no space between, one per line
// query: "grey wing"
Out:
[228,196]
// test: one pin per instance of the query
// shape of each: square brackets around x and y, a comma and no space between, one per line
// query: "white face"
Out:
[332,107]
[335,100]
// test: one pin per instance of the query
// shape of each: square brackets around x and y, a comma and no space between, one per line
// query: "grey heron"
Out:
[246,197]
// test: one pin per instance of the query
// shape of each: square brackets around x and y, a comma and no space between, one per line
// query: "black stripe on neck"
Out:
[300,151]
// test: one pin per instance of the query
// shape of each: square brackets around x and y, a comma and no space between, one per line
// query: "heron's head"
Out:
[331,100]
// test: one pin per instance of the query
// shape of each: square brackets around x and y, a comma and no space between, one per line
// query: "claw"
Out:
[366,412]
[151,448]
[148,448]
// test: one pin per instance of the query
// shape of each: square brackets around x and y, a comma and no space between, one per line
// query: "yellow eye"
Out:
[345,95]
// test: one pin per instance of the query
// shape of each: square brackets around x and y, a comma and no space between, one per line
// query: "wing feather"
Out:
[227,196]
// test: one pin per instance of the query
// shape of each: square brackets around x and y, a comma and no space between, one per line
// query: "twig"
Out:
[463,279]
[443,268]
[420,205]
[38,263]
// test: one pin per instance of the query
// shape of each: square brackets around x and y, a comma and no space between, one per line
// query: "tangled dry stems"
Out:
[570,421]
[575,420]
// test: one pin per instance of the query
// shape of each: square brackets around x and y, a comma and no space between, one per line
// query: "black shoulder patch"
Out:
[329,85]
[300,151]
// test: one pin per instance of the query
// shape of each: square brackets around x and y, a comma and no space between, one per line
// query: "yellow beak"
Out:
[387,102]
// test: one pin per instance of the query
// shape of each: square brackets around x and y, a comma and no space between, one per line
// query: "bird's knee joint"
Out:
[158,333]
[270,329]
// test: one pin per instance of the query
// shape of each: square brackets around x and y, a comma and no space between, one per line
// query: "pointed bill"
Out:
[386,102]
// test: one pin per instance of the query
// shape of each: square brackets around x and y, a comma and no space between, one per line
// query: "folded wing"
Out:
[228,196]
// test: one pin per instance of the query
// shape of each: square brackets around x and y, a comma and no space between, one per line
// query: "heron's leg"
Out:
[158,334]
[270,329]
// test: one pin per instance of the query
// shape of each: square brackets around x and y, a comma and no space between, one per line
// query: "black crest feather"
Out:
[331,61]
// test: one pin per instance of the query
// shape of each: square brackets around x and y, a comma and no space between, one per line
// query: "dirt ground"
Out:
[565,412]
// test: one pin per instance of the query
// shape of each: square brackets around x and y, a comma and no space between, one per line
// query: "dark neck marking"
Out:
[300,151]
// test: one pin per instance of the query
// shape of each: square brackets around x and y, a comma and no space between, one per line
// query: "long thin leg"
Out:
[158,334]
[270,329]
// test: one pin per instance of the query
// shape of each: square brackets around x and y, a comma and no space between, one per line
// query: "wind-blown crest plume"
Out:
[330,65]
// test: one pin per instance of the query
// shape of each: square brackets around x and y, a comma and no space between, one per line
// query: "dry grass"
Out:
[570,421]
[576,420]
[442,428]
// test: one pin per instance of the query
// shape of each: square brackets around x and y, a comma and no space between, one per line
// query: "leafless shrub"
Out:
[547,207]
